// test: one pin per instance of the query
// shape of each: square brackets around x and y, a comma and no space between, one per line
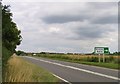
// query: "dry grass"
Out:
[111,61]
[109,58]
[90,56]
[16,71]
[19,70]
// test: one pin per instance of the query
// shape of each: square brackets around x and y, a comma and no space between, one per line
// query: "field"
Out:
[110,60]
[19,70]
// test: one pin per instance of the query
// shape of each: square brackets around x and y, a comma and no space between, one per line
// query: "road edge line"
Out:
[61,78]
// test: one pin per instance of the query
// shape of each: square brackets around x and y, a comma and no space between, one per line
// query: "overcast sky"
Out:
[66,26]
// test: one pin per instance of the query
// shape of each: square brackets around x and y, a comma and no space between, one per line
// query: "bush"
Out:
[117,61]
[5,56]
[22,53]
[92,59]
[109,59]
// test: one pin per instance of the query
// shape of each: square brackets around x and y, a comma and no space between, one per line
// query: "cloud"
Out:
[87,31]
[106,19]
[97,13]
[62,1]
[102,5]
[66,27]
[63,19]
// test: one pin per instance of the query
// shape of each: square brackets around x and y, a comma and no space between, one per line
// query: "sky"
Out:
[66,26]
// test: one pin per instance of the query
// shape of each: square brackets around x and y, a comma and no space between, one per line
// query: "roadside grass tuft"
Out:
[19,70]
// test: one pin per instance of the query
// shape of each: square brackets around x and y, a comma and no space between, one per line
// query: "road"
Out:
[73,72]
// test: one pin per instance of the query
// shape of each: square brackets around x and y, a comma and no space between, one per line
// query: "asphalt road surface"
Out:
[73,72]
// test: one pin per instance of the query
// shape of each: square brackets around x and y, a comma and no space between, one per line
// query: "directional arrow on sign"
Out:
[106,50]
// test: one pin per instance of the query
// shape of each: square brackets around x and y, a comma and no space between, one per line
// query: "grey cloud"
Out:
[89,32]
[92,13]
[73,32]
[102,5]
[63,18]
[107,19]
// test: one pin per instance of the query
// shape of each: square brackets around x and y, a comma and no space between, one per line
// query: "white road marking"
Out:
[99,67]
[62,79]
[95,66]
[75,68]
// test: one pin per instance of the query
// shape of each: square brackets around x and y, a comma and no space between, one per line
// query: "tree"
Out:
[10,34]
[20,52]
[116,53]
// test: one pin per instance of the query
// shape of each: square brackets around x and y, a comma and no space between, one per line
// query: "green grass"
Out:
[0,70]
[106,65]
[5,56]
[110,65]
[19,70]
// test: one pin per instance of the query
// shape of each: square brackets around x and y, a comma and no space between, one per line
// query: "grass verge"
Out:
[19,70]
[0,70]
[106,65]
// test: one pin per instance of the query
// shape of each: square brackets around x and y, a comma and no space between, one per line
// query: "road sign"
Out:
[101,50]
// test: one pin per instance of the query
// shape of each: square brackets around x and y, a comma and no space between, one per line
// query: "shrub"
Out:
[117,61]
[92,59]
[109,59]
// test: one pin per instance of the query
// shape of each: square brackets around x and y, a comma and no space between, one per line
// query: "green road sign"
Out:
[101,50]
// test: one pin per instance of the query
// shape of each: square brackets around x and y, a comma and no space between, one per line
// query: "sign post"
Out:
[103,58]
[99,58]
[101,50]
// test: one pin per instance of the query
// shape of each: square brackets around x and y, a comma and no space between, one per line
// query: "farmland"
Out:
[110,60]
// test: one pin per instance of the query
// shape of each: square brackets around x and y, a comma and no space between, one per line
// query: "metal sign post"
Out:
[99,58]
[103,58]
